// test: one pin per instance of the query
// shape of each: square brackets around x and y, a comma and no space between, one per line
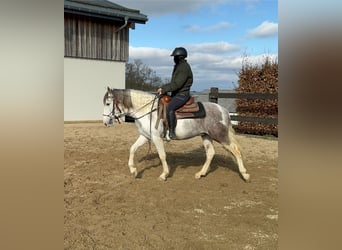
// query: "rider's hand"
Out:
[159,91]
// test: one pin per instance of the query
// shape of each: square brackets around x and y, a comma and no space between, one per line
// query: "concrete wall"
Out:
[228,103]
[224,102]
[85,83]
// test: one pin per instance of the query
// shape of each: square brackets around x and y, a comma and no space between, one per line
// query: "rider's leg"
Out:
[175,103]
[172,123]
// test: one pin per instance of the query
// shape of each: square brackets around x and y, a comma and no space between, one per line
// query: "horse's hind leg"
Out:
[139,142]
[210,152]
[235,150]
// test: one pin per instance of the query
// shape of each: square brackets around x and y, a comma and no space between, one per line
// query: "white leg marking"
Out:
[234,149]
[158,142]
[210,152]
[139,142]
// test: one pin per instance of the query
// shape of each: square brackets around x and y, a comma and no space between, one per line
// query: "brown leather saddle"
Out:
[190,109]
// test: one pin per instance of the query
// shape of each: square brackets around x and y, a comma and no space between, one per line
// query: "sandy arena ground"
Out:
[106,208]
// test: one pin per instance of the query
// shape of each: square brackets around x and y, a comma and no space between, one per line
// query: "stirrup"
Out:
[166,136]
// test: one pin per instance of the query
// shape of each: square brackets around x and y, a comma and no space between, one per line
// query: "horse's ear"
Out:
[108,89]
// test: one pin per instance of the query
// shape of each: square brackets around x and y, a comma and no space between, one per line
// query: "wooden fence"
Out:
[214,95]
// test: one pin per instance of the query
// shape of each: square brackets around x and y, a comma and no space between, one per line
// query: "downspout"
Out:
[124,25]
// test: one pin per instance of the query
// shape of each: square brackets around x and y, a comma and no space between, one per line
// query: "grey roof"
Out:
[103,9]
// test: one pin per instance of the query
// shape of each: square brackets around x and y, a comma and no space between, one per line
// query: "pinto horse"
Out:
[142,106]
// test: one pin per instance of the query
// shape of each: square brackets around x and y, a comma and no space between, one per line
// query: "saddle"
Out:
[190,109]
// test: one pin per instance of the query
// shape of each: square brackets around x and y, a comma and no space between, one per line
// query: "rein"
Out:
[133,113]
[137,118]
[117,117]
[148,113]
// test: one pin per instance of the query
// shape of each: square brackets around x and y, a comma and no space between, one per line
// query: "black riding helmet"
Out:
[179,51]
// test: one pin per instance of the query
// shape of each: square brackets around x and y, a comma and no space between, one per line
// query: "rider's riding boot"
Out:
[172,124]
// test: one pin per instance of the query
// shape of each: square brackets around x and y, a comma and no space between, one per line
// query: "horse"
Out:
[142,107]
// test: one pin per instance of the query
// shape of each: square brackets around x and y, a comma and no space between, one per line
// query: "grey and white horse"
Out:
[140,105]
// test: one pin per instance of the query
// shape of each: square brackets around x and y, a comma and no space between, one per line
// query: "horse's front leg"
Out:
[159,143]
[139,142]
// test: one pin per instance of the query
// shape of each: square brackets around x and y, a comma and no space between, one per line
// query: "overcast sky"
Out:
[218,34]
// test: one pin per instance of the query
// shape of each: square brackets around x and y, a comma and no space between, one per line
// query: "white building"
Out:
[96,43]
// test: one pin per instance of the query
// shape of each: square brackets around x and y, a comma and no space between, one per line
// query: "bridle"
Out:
[113,114]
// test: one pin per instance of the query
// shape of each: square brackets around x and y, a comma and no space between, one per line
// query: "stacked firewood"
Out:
[258,79]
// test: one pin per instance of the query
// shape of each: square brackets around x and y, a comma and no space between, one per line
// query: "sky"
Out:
[219,36]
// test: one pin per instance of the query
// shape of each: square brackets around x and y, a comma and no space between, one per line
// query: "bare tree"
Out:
[142,77]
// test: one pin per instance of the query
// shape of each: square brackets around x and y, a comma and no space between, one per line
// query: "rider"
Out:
[179,86]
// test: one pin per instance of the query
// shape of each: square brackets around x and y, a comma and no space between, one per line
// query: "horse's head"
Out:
[111,109]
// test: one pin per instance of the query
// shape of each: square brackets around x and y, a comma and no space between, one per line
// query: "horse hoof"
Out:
[246,177]
[134,173]
[198,176]
[162,177]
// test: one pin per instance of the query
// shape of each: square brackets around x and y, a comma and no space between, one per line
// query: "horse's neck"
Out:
[142,102]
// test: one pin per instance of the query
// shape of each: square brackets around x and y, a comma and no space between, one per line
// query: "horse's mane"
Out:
[140,98]
[132,98]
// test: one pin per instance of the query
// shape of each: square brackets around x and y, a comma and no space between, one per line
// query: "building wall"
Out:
[90,38]
[85,83]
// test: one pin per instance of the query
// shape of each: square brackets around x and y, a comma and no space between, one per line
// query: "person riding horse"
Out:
[180,84]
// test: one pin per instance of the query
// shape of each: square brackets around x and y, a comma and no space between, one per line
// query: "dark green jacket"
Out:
[181,80]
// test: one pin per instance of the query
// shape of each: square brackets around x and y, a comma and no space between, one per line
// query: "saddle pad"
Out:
[200,113]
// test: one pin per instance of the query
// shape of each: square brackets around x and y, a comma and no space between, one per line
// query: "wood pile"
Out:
[258,79]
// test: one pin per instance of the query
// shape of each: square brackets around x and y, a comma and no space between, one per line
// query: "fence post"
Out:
[213,95]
